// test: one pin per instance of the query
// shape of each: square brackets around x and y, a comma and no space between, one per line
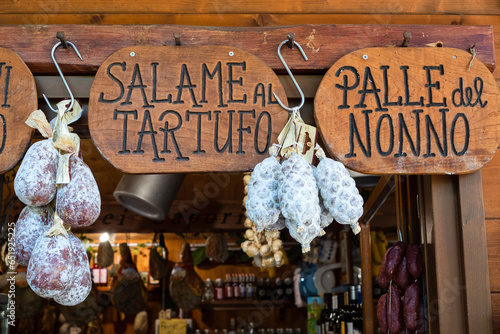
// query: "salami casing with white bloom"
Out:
[32,223]
[79,201]
[82,282]
[35,182]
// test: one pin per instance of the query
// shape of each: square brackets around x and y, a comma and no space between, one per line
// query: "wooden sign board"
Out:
[171,109]
[409,111]
[17,101]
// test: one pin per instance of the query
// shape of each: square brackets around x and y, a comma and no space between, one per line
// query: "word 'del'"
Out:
[409,111]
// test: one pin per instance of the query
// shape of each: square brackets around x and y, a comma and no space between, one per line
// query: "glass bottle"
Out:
[219,289]
[228,288]
[96,274]
[236,287]
[279,291]
[250,289]
[269,288]
[243,286]
[288,288]
[208,291]
[261,290]
[232,326]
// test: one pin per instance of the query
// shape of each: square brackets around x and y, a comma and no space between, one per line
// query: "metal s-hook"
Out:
[62,43]
[302,98]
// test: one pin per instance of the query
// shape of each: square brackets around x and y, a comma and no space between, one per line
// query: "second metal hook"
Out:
[62,43]
[302,98]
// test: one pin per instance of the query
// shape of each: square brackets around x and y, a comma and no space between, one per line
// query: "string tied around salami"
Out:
[57,227]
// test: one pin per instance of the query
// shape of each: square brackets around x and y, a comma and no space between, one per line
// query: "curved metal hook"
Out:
[302,98]
[52,54]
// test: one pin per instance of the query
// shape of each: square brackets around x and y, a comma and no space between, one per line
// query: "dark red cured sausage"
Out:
[35,182]
[383,278]
[382,312]
[402,277]
[421,319]
[394,258]
[82,282]
[411,307]
[33,222]
[394,310]
[79,201]
[51,266]
[414,258]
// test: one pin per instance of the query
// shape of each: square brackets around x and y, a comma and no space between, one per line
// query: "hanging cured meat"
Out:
[79,201]
[32,223]
[186,287]
[82,282]
[35,182]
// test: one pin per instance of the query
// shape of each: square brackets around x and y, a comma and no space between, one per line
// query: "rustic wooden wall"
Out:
[288,12]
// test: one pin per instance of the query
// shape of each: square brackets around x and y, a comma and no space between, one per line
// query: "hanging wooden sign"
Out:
[409,111]
[17,100]
[171,109]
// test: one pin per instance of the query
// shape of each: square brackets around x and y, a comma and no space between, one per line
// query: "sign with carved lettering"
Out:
[17,100]
[409,111]
[173,109]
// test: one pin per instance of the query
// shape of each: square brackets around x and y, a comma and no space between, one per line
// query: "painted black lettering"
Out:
[259,91]
[435,85]
[107,217]
[466,134]
[189,85]
[4,133]
[6,89]
[198,129]
[122,217]
[241,129]
[114,79]
[155,87]
[136,75]
[211,75]
[125,114]
[391,135]
[429,127]
[210,218]
[368,79]
[146,121]
[238,81]
[166,131]
[226,214]
[414,145]
[346,86]
[386,103]
[257,129]
[479,91]
[420,102]
[353,131]
[229,141]
[270,95]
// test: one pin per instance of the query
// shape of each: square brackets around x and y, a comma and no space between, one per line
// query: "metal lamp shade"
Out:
[149,195]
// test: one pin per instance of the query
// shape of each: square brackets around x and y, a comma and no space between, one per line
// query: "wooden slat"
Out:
[324,44]
[474,253]
[255,6]
[495,302]
[444,268]
[493,235]
[366,275]
[491,187]
[382,190]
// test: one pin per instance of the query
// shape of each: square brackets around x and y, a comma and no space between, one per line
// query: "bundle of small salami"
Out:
[295,194]
[401,309]
[57,261]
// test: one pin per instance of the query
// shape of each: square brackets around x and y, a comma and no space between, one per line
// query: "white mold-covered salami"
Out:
[51,266]
[79,201]
[33,222]
[35,182]
[82,282]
